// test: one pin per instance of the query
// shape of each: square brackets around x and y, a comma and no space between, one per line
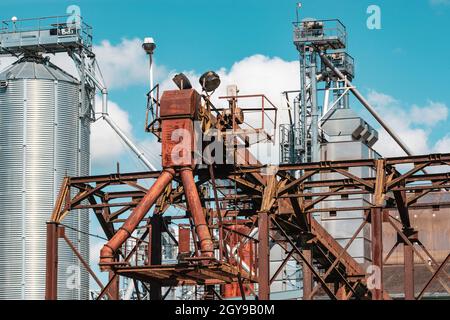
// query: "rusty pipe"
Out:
[109,249]
[195,206]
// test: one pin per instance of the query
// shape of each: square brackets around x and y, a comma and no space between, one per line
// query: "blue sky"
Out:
[403,68]
[405,60]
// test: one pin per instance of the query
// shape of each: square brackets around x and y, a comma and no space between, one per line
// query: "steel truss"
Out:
[280,206]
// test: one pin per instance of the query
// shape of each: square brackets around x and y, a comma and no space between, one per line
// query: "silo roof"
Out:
[35,68]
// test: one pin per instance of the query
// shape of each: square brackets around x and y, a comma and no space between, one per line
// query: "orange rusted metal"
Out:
[245,254]
[195,206]
[108,251]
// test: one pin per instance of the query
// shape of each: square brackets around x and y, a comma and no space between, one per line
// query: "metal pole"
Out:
[314,112]
[51,278]
[114,288]
[263,256]
[365,103]
[155,253]
[408,256]
[302,109]
[151,76]
[307,276]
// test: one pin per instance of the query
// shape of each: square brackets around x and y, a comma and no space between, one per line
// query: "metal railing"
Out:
[320,30]
[67,25]
[266,122]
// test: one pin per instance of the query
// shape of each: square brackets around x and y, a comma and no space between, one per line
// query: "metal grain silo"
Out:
[43,137]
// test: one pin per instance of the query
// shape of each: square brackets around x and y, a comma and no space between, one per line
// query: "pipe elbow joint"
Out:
[106,257]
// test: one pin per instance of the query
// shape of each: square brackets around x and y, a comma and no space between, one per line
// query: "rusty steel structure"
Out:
[221,204]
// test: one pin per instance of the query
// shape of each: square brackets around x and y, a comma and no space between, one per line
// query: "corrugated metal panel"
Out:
[41,141]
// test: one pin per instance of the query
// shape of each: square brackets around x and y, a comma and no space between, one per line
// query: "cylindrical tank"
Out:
[44,136]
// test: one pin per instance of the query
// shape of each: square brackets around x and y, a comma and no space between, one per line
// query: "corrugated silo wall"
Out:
[42,139]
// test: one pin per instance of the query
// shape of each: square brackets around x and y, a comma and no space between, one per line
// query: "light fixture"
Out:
[149,45]
[182,81]
[14,19]
[209,81]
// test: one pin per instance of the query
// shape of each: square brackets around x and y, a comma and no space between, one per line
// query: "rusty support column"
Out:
[114,288]
[51,277]
[263,256]
[377,251]
[184,240]
[307,275]
[195,207]
[408,256]
[155,253]
[109,249]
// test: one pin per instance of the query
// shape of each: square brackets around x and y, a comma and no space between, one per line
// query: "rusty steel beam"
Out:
[263,256]
[184,240]
[435,275]
[309,265]
[401,201]
[361,181]
[116,177]
[113,291]
[377,250]
[296,182]
[86,193]
[408,278]
[155,253]
[51,276]
[409,243]
[434,158]
[280,268]
[126,259]
[307,276]
[63,235]
[287,188]
[390,253]
[339,257]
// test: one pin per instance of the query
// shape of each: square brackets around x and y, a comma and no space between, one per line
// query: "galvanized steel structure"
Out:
[43,138]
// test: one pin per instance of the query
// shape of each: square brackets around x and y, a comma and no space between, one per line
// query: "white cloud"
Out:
[430,114]
[254,74]
[124,64]
[106,145]
[257,74]
[413,124]
[442,145]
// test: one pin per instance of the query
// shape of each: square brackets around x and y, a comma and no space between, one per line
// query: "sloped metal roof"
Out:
[35,68]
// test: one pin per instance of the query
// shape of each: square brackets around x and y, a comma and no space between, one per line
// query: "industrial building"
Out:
[332,220]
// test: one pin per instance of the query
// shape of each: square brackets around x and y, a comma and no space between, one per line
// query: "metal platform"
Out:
[326,34]
[343,62]
[186,274]
[45,35]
